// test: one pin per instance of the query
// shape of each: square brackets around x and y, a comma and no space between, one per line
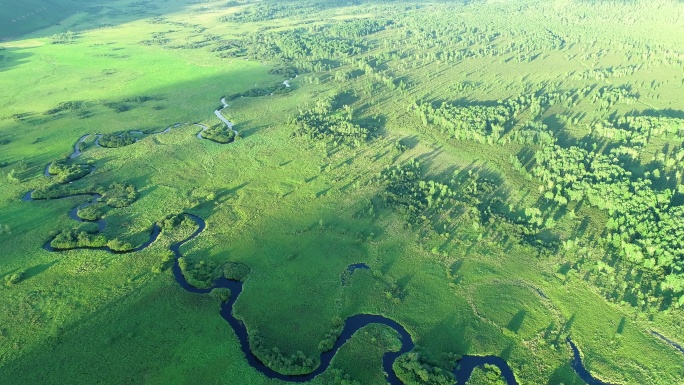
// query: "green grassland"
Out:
[298,208]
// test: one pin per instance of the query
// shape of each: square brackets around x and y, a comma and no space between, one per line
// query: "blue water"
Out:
[579,368]
[352,324]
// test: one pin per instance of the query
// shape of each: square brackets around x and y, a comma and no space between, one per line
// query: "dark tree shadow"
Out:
[516,322]
[38,269]
[12,57]
[564,375]
[506,352]
[16,22]
[668,112]
[621,325]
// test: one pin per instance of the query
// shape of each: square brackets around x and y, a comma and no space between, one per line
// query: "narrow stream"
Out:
[77,149]
[668,341]
[101,224]
[352,324]
[579,368]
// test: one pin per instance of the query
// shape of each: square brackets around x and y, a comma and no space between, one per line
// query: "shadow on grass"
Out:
[15,23]
[564,375]
[516,322]
[139,333]
[506,353]
[38,269]
[12,57]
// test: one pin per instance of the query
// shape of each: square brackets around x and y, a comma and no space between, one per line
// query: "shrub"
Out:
[91,212]
[12,177]
[13,279]
[235,271]
[120,195]
[221,293]
[219,133]
[114,140]
[67,173]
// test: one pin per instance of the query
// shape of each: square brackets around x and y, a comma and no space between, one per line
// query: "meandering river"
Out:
[352,324]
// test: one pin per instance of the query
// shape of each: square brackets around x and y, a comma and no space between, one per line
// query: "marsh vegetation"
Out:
[422,193]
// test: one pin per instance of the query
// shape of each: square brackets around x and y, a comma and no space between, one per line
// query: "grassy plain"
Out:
[296,211]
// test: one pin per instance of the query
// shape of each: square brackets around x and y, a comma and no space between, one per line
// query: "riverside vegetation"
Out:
[502,180]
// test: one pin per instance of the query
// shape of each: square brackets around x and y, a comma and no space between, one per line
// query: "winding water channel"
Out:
[668,341]
[352,324]
[219,115]
[579,368]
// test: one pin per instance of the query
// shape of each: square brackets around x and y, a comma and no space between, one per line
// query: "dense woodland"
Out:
[645,207]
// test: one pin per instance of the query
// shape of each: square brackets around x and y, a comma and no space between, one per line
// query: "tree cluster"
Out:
[278,88]
[120,195]
[320,123]
[336,376]
[414,368]
[271,10]
[485,123]
[67,37]
[236,271]
[64,172]
[201,274]
[116,140]
[486,375]
[54,191]
[173,221]
[65,106]
[219,133]
[645,227]
[477,123]
[608,96]
[91,212]
[222,293]
[296,363]
[74,238]
[353,29]
[637,131]
[118,106]
[329,339]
